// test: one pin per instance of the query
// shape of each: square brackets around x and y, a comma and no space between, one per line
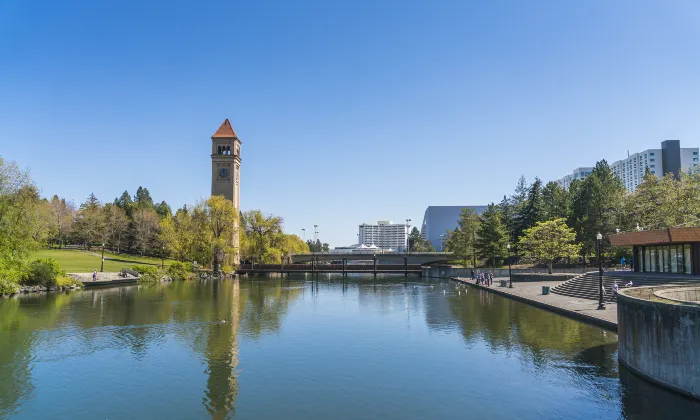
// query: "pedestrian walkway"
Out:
[103,279]
[531,293]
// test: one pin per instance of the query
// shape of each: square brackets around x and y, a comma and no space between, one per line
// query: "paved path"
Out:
[531,292]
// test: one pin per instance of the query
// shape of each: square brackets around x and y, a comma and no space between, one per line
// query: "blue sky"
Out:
[348,111]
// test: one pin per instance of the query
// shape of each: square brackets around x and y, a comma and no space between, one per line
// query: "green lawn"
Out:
[75,261]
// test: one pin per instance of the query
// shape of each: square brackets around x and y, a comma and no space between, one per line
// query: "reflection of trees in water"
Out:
[536,334]
[138,317]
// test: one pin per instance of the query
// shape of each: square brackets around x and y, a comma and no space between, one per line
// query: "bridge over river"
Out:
[375,263]
[420,258]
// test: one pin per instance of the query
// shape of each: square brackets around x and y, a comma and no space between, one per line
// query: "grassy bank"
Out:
[77,261]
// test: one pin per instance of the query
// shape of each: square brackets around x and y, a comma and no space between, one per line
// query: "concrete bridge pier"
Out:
[405,266]
[374,259]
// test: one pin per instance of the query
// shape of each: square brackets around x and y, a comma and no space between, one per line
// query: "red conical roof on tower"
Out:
[225,130]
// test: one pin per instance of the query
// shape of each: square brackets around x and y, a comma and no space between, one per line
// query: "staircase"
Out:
[585,286]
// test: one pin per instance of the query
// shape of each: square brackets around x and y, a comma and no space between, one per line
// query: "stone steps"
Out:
[586,285]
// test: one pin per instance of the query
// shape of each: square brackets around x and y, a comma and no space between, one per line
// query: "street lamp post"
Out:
[408,232]
[162,257]
[601,304]
[303,234]
[315,237]
[102,265]
[510,272]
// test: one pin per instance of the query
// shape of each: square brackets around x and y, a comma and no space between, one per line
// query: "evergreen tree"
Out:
[125,203]
[555,201]
[163,209]
[596,206]
[143,199]
[532,209]
[491,238]
[461,241]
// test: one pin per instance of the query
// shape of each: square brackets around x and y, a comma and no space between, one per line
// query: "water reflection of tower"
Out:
[222,353]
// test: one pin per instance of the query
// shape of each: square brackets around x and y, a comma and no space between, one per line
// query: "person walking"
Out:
[490,278]
[623,263]
[615,289]
[473,276]
[94,275]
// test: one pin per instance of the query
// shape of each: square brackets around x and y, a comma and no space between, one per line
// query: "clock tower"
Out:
[226,168]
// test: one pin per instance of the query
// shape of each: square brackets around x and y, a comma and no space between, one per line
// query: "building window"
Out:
[651,160]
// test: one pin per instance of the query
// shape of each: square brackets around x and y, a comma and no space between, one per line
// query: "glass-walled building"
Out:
[672,250]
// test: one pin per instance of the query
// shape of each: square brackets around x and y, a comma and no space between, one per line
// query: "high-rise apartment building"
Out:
[439,220]
[385,235]
[670,158]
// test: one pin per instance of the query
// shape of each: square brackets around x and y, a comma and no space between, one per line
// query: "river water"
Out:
[295,349]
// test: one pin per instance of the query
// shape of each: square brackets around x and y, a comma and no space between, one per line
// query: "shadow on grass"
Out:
[130,261]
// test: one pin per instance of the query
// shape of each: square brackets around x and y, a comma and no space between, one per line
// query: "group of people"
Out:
[482,278]
[616,289]
[623,263]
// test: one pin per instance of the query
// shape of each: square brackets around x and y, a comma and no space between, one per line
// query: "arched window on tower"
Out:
[228,150]
[219,150]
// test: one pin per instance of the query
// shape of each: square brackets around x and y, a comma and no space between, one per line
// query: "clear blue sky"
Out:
[348,111]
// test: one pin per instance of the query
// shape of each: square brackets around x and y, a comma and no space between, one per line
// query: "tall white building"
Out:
[384,235]
[579,173]
[670,158]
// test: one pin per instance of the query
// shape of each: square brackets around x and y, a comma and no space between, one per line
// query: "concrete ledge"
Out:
[608,325]
[110,282]
[659,339]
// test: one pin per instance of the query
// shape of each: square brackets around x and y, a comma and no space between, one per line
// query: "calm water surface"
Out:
[296,350]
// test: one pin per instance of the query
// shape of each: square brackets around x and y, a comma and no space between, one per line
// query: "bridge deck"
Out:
[329,268]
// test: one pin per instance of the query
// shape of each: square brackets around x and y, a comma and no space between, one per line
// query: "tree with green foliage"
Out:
[163,209]
[143,199]
[491,237]
[462,240]
[116,226]
[555,201]
[532,210]
[89,227]
[596,206]
[417,244]
[547,241]
[62,216]
[19,200]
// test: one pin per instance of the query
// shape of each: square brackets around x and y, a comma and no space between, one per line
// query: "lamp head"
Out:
[599,236]
[508,246]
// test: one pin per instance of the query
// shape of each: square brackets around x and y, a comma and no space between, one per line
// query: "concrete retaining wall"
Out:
[660,340]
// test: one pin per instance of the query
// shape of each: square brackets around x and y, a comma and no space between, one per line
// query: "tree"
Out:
[325,247]
[222,221]
[163,209]
[18,199]
[116,226]
[125,203]
[461,241]
[177,234]
[491,238]
[262,233]
[143,199]
[90,223]
[63,214]
[596,206]
[144,230]
[531,210]
[555,201]
[547,241]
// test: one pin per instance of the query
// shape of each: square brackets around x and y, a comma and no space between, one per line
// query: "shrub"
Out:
[178,271]
[65,281]
[44,272]
[8,287]
[148,273]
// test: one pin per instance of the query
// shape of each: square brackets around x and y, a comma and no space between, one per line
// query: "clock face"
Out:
[223,173]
